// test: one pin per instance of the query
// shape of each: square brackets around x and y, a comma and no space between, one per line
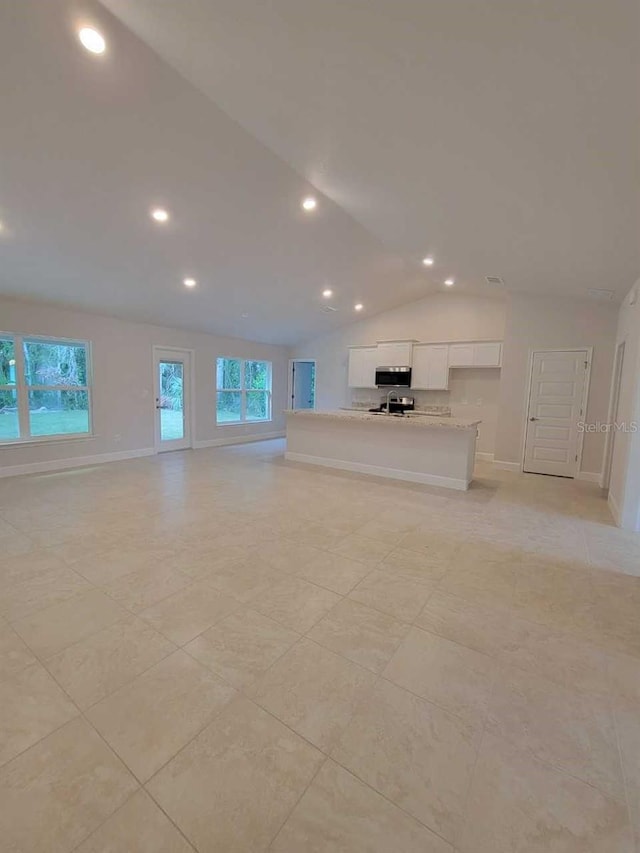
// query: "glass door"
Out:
[172,399]
[303,384]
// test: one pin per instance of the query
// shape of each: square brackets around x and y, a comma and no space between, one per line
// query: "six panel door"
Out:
[555,409]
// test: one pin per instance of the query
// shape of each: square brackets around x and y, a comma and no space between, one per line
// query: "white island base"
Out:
[418,448]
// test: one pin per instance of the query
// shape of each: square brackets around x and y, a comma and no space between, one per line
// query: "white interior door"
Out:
[172,399]
[556,403]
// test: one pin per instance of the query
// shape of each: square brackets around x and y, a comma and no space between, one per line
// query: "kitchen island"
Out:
[415,447]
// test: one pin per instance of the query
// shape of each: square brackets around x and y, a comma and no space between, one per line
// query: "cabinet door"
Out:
[487,354]
[430,367]
[362,369]
[461,355]
[395,354]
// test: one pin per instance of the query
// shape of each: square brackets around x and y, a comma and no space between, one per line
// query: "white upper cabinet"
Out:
[394,353]
[430,367]
[362,367]
[487,354]
[461,355]
[484,354]
[430,362]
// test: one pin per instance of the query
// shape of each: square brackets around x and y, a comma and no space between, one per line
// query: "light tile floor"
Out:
[221,651]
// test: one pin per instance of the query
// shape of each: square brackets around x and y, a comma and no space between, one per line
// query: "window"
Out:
[44,388]
[244,391]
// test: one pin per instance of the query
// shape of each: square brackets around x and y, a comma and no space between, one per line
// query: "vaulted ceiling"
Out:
[500,137]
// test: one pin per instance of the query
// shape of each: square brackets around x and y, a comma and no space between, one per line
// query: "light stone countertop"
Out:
[411,420]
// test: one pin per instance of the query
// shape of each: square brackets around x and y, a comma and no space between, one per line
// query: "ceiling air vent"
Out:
[328,309]
[601,294]
[494,279]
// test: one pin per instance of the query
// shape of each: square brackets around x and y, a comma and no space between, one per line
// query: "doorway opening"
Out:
[302,383]
[557,405]
[172,381]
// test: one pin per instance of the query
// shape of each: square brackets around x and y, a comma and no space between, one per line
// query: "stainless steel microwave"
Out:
[393,377]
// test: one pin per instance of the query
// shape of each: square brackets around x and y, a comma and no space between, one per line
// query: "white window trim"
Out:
[243,393]
[22,389]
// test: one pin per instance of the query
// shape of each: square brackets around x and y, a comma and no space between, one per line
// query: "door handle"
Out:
[533,419]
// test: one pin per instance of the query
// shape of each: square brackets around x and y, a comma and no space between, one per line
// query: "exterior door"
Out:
[303,384]
[172,399]
[556,405]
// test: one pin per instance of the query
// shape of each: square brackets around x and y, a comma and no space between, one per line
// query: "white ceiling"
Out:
[502,136]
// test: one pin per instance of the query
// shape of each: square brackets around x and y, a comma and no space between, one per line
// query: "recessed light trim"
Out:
[358,306]
[309,203]
[189,282]
[449,282]
[159,214]
[428,261]
[92,40]
[328,293]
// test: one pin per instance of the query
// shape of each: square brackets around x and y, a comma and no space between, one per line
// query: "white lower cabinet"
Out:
[362,367]
[430,367]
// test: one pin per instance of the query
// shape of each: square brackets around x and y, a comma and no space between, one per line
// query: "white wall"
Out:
[123,390]
[548,322]
[439,317]
[624,484]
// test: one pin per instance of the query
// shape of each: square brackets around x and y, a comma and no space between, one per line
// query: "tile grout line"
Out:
[295,805]
[81,714]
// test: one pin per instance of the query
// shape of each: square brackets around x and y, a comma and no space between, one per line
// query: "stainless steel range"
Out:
[396,405]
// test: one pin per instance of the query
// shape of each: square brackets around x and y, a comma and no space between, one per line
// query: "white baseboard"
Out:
[376,471]
[483,456]
[507,466]
[590,476]
[238,439]
[75,462]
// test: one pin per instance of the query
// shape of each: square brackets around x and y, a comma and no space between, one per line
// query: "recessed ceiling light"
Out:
[428,262]
[189,282]
[244,316]
[327,293]
[358,306]
[160,214]
[92,40]
[449,282]
[309,203]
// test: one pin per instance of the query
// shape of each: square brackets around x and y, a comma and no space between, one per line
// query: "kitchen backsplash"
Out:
[369,400]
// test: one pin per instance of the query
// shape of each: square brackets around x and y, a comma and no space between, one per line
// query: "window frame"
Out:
[243,391]
[22,389]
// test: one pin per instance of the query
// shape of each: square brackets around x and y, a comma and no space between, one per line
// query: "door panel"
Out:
[555,407]
[172,401]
